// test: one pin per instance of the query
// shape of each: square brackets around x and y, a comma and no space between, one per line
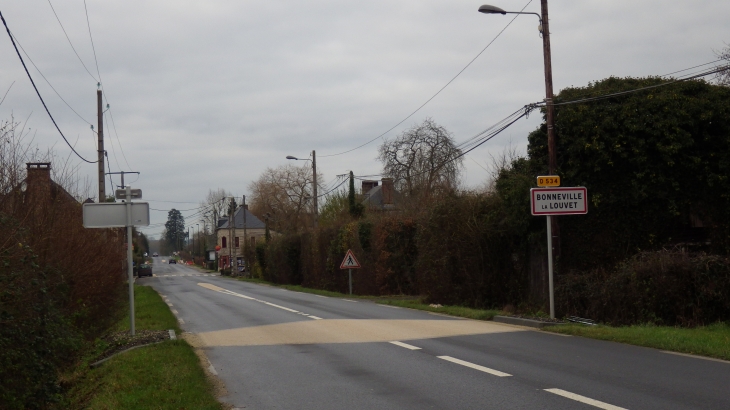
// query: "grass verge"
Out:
[167,375]
[411,302]
[710,341]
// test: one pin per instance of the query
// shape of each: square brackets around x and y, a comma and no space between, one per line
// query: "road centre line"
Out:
[228,292]
[406,345]
[584,399]
[315,317]
[474,366]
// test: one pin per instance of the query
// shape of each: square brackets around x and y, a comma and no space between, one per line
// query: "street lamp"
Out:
[545,31]
[552,223]
[314,181]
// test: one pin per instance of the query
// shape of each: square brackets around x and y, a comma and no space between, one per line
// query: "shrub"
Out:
[667,288]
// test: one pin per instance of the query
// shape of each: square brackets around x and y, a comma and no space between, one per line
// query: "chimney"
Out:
[387,191]
[38,180]
[368,185]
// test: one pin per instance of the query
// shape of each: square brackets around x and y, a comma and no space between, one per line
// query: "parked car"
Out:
[155,254]
[172,261]
[144,270]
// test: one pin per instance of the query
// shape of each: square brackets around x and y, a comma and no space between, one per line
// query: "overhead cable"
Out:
[39,94]
[437,92]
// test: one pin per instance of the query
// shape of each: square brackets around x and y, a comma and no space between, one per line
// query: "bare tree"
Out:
[723,77]
[423,160]
[285,193]
[215,203]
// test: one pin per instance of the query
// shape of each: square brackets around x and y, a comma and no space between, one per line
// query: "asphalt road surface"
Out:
[278,349]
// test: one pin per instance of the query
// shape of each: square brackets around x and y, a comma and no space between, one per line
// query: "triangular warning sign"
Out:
[350,262]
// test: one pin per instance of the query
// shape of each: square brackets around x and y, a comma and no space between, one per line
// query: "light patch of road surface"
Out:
[347,331]
[292,350]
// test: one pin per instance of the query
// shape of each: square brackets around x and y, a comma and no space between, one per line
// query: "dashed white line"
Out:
[406,345]
[182,322]
[388,306]
[320,296]
[348,300]
[169,304]
[584,399]
[174,312]
[475,366]
[315,317]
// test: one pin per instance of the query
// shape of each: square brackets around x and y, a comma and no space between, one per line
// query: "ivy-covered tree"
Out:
[655,163]
[175,229]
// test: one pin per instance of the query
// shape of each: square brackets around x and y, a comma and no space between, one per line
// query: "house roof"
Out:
[252,222]
[374,197]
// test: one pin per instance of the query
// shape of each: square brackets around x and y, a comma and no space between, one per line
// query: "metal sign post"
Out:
[556,201]
[350,263]
[112,215]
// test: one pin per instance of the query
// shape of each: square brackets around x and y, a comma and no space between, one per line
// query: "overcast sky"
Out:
[208,94]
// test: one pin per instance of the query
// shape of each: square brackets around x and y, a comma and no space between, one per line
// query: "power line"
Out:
[6,92]
[437,92]
[39,94]
[620,93]
[48,82]
[70,43]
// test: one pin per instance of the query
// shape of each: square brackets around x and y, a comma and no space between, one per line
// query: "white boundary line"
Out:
[475,366]
[406,345]
[584,399]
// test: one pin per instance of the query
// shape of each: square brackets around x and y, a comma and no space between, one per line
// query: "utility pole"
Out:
[100,134]
[245,238]
[549,107]
[314,187]
[553,229]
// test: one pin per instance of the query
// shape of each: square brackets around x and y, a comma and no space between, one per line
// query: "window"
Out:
[223,242]
[253,241]
[237,243]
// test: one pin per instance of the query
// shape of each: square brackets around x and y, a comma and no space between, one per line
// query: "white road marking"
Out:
[584,399]
[211,368]
[388,306]
[169,304]
[228,292]
[475,366]
[348,300]
[182,322]
[712,359]
[320,296]
[406,345]
[174,312]
[281,307]
[315,317]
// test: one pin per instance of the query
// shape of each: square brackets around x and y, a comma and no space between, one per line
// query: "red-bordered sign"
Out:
[350,262]
[559,201]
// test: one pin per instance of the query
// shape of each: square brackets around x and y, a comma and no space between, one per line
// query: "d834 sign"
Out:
[559,201]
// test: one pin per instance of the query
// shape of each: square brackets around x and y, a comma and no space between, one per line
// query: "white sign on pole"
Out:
[559,201]
[350,262]
[114,214]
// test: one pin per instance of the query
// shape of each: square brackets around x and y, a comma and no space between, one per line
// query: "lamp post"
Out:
[545,31]
[314,182]
[196,249]
[552,223]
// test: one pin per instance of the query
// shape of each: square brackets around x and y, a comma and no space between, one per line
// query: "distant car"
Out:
[144,270]
[171,261]
[155,254]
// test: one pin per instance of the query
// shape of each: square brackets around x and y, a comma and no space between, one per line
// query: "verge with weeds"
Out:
[164,375]
[710,341]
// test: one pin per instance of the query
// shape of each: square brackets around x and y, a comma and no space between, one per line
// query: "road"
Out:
[278,349]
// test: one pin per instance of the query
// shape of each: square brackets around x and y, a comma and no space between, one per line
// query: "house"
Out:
[247,226]
[381,197]
[37,192]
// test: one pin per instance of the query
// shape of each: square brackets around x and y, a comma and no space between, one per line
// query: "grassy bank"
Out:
[165,375]
[710,341]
